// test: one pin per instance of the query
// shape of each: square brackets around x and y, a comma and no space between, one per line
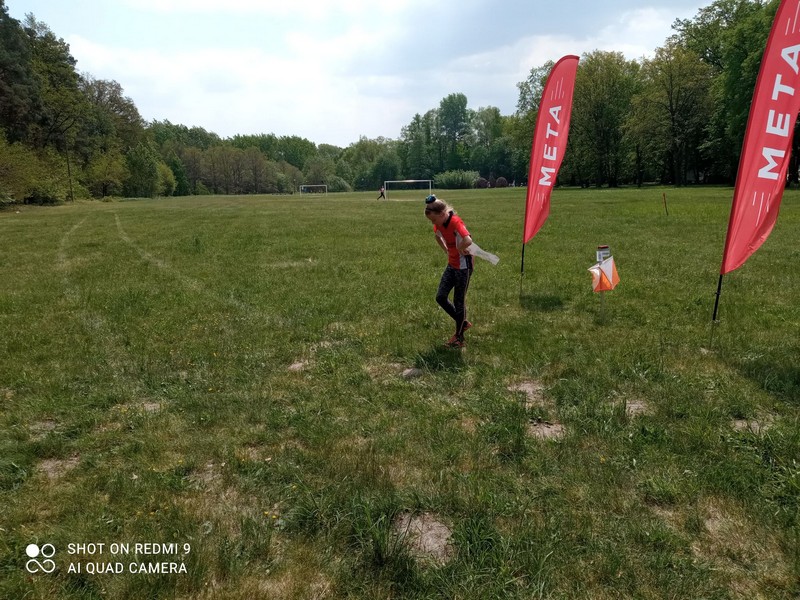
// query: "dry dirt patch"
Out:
[40,429]
[220,506]
[208,477]
[425,536]
[544,430]
[534,393]
[756,426]
[634,408]
[253,453]
[412,373]
[470,424]
[383,372]
[108,427]
[388,372]
[749,556]
[55,468]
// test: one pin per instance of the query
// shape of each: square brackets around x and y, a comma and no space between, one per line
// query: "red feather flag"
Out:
[767,141]
[549,142]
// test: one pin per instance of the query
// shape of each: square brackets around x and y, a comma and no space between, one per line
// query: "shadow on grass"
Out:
[440,358]
[541,302]
[777,373]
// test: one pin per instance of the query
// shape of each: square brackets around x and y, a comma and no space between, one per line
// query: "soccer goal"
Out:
[314,188]
[408,189]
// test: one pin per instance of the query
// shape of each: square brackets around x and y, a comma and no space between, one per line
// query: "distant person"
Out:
[453,237]
[382,190]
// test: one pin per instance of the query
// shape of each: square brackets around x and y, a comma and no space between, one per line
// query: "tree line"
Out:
[677,118]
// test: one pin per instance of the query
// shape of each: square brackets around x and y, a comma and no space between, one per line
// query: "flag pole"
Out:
[602,307]
[522,271]
[716,302]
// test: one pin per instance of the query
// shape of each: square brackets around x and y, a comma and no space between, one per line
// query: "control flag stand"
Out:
[604,277]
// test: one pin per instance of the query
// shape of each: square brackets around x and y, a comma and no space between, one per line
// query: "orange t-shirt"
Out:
[453,231]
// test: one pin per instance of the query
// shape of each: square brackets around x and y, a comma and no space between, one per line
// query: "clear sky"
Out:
[332,71]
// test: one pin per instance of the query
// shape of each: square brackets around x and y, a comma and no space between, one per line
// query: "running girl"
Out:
[453,237]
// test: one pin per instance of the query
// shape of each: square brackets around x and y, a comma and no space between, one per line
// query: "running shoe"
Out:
[455,342]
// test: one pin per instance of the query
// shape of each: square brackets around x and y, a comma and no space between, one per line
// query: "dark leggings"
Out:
[457,309]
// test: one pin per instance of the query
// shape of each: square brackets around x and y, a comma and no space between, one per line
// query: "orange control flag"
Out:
[604,275]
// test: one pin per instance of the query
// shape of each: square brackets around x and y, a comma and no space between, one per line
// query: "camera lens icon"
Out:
[47,551]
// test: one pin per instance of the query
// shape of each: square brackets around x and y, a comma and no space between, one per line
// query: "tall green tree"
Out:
[501,158]
[519,126]
[295,150]
[105,173]
[329,151]
[530,90]
[604,86]
[62,106]
[289,177]
[20,170]
[193,160]
[18,90]
[143,172]
[109,99]
[256,171]
[417,147]
[729,36]
[487,126]
[175,164]
[267,143]
[166,180]
[491,152]
[200,138]
[519,131]
[319,170]
[386,167]
[230,164]
[707,34]
[454,124]
[110,126]
[361,157]
[61,102]
[675,104]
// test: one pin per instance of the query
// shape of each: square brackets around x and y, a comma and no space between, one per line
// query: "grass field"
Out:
[227,378]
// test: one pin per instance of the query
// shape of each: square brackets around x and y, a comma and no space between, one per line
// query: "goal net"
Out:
[408,189]
[314,188]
